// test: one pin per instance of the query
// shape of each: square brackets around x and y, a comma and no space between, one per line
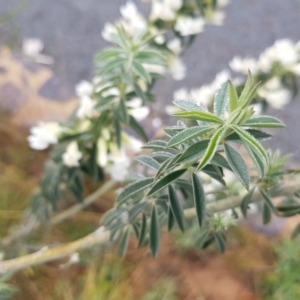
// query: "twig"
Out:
[33,224]
[102,236]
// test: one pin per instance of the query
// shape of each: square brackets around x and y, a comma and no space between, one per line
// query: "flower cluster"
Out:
[276,68]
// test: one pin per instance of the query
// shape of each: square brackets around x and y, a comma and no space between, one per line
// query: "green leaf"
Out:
[112,65]
[118,132]
[124,242]
[233,97]
[238,165]
[176,207]
[251,142]
[117,40]
[199,199]
[171,219]
[139,92]
[140,71]
[246,89]
[189,106]
[134,188]
[220,238]
[108,53]
[143,231]
[165,181]
[221,99]
[187,134]
[194,152]
[212,147]
[214,172]
[136,210]
[150,56]
[123,113]
[249,97]
[148,161]
[258,161]
[264,122]
[246,201]
[157,145]
[154,232]
[201,240]
[266,214]
[199,115]
[268,200]
[257,134]
[138,129]
[220,161]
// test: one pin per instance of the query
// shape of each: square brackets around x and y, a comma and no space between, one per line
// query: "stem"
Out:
[102,235]
[34,224]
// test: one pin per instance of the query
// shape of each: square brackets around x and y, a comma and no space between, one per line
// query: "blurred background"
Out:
[44,89]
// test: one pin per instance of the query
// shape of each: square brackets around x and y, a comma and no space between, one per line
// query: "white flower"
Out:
[217,18]
[177,68]
[140,113]
[175,46]
[43,135]
[134,23]
[118,166]
[242,65]
[181,94]
[151,68]
[72,155]
[275,93]
[283,51]
[32,47]
[162,11]
[128,10]
[131,143]
[160,39]
[84,88]
[203,95]
[102,152]
[257,107]
[86,107]
[135,102]
[296,69]
[173,4]
[107,31]
[189,26]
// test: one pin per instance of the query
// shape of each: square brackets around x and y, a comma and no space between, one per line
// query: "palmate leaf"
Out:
[148,161]
[187,134]
[189,105]
[221,99]
[165,181]
[199,116]
[264,122]
[154,232]
[212,147]
[176,207]
[199,199]
[134,188]
[238,165]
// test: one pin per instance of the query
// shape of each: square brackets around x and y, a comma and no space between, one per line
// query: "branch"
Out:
[102,235]
[34,224]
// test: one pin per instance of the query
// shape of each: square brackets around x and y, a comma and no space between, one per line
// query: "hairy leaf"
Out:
[238,165]
[176,207]
[199,199]
[134,188]
[148,161]
[264,122]
[124,242]
[189,106]
[165,181]
[143,231]
[140,71]
[157,145]
[154,232]
[233,98]
[194,152]
[199,115]
[221,99]
[246,201]
[187,134]
[212,147]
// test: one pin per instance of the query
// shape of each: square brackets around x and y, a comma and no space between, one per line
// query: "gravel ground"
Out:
[71,31]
